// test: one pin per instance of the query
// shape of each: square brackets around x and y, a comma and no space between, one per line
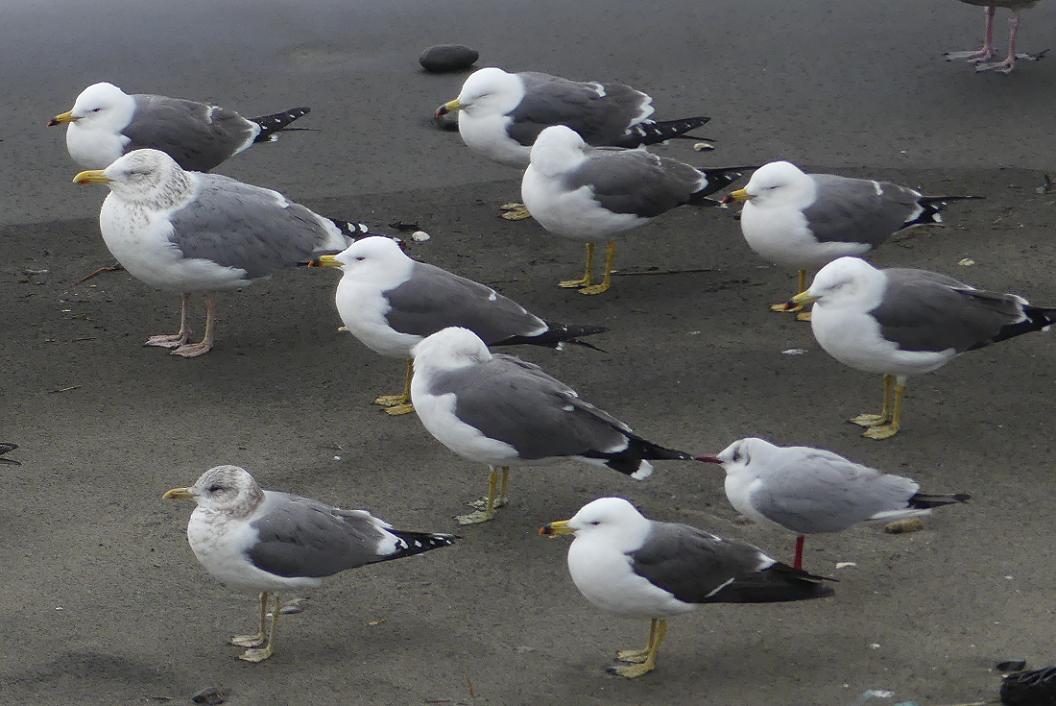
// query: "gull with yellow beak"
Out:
[800,220]
[634,567]
[265,541]
[192,232]
[903,322]
[105,123]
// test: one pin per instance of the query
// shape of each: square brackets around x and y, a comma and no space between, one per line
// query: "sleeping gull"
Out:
[501,114]
[105,123]
[190,232]
[390,303]
[500,410]
[810,491]
[804,221]
[266,541]
[981,57]
[634,567]
[903,322]
[598,193]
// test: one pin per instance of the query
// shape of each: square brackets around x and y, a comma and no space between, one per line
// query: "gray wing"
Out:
[599,112]
[926,311]
[301,537]
[515,402]
[433,299]
[635,181]
[859,210]
[197,135]
[818,491]
[244,226]
[697,567]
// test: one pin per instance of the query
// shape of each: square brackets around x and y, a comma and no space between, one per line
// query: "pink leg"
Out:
[798,561]
[193,350]
[174,340]
[987,51]
[1006,66]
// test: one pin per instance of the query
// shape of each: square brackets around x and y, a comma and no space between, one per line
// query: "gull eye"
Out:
[96,110]
[360,258]
[214,488]
[737,456]
[595,522]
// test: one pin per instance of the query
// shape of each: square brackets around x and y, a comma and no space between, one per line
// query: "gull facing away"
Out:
[105,123]
[390,303]
[501,114]
[499,410]
[800,220]
[903,322]
[810,491]
[266,542]
[634,567]
[192,232]
[592,194]
[981,57]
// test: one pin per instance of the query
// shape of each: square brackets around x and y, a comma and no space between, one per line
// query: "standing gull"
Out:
[192,232]
[903,322]
[390,303]
[598,193]
[265,541]
[634,567]
[804,221]
[502,113]
[810,491]
[981,57]
[500,410]
[105,123]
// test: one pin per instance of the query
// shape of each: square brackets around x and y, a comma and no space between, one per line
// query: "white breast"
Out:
[487,135]
[93,148]
[572,214]
[739,487]
[362,309]
[780,235]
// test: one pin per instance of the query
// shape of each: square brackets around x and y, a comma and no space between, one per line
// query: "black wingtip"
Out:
[270,124]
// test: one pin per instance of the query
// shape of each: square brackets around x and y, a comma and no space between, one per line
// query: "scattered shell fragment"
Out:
[420,236]
[966,262]
[911,524]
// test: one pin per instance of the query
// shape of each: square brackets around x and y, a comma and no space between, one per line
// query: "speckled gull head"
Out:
[450,348]
[149,177]
[101,106]
[612,520]
[225,489]
[557,149]
[845,283]
[777,185]
[374,258]
[488,91]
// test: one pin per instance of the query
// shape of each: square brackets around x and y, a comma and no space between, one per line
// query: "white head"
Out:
[490,91]
[557,149]
[226,489]
[846,282]
[372,259]
[612,520]
[101,106]
[450,348]
[148,177]
[739,455]
[779,184]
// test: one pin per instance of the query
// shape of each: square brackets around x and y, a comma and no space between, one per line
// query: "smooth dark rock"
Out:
[1011,665]
[210,695]
[444,58]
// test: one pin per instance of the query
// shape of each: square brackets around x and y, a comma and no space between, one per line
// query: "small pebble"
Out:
[912,524]
[209,695]
[444,58]
[420,236]
[1011,665]
[703,147]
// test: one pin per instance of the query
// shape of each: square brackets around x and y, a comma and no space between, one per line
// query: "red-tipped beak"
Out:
[727,200]
[708,459]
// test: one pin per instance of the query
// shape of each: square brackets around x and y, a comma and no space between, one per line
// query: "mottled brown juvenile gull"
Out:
[634,567]
[390,303]
[811,491]
[596,194]
[265,541]
[981,57]
[804,220]
[191,232]
[105,123]
[499,410]
[903,322]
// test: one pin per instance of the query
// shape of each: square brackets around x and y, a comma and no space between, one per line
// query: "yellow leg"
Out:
[606,281]
[257,639]
[886,431]
[875,420]
[504,488]
[787,307]
[514,211]
[638,656]
[633,671]
[261,654]
[588,272]
[488,512]
[399,404]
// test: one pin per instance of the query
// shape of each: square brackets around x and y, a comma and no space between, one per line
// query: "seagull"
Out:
[804,220]
[634,567]
[809,491]
[105,123]
[266,541]
[981,57]
[598,193]
[903,322]
[5,448]
[187,232]
[502,113]
[499,410]
[390,303]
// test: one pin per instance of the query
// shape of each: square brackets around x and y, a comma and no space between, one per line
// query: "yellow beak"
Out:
[178,494]
[61,118]
[740,195]
[92,176]
[804,298]
[448,107]
[326,261]
[555,529]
